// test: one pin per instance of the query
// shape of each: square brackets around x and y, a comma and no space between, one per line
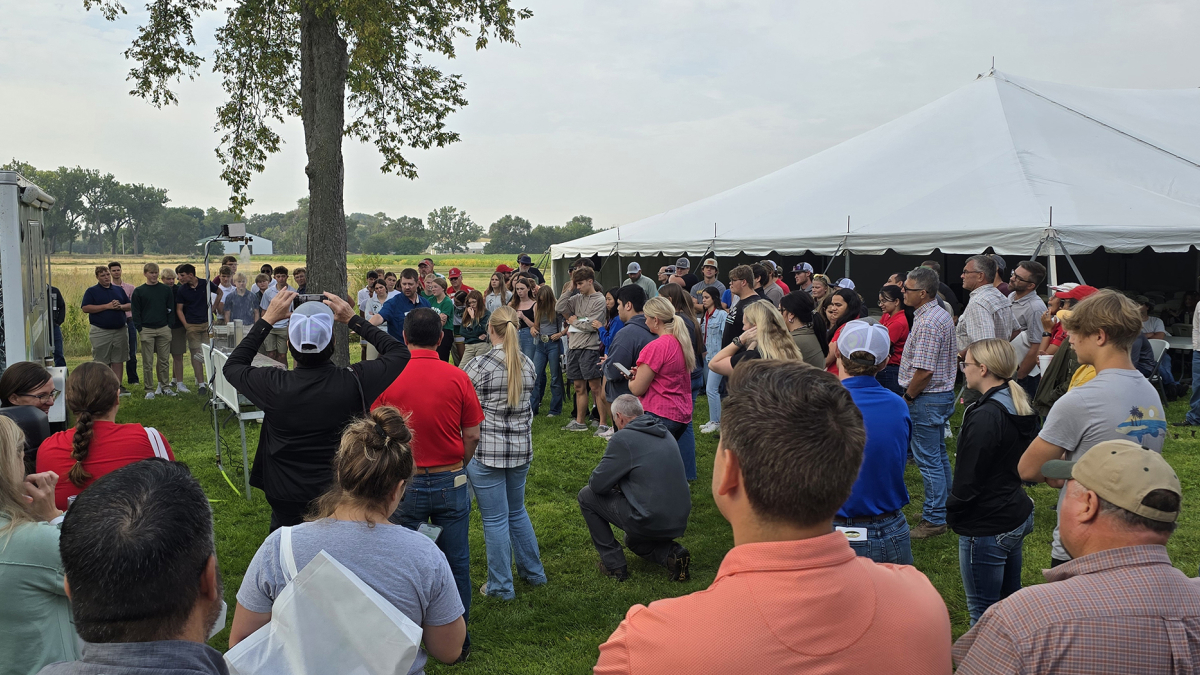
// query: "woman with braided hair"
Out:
[503,379]
[373,466]
[97,445]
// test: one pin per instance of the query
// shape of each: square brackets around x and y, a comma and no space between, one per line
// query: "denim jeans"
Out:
[887,540]
[1164,369]
[712,391]
[434,498]
[686,438]
[547,353]
[1193,414]
[507,532]
[991,567]
[888,377]
[59,360]
[930,413]
[131,369]
[526,342]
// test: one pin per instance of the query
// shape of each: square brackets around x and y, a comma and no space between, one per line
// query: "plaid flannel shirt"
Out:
[931,347]
[988,314]
[1124,610]
[505,437]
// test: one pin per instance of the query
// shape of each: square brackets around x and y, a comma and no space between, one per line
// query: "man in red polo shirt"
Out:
[444,416]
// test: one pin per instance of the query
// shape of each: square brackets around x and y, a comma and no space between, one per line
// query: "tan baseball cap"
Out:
[1121,473]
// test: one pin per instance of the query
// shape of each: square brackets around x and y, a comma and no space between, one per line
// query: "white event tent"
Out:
[984,166]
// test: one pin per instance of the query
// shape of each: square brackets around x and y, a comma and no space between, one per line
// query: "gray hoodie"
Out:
[642,462]
[626,345]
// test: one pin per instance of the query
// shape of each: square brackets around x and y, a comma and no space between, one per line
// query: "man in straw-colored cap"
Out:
[1118,606]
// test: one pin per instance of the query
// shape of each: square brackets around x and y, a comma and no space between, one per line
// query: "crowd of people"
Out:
[378,465]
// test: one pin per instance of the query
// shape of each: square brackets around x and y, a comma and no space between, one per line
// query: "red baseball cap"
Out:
[504,269]
[454,273]
[1072,291]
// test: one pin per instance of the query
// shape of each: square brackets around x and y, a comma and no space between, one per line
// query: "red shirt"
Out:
[1057,335]
[439,400]
[897,326]
[452,290]
[784,286]
[833,343]
[113,446]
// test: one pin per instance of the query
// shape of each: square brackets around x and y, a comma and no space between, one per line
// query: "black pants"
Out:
[446,345]
[601,512]
[286,513]
[675,428]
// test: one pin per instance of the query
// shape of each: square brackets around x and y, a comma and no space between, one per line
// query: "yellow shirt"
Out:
[1083,375]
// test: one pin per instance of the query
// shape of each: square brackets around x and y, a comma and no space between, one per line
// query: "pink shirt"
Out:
[670,394]
[808,606]
[128,288]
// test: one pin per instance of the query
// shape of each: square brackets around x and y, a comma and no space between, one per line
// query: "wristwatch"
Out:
[908,398]
[1045,333]
[737,340]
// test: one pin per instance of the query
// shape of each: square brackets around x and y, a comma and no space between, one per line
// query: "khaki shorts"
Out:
[109,345]
[277,341]
[178,341]
[196,334]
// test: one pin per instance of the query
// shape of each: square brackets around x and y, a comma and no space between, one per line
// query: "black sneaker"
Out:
[620,574]
[678,562]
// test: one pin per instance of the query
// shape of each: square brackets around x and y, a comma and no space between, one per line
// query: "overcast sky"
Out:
[617,109]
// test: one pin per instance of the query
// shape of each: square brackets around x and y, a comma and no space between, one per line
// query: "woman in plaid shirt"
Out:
[503,379]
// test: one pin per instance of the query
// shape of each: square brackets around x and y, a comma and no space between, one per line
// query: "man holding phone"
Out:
[627,344]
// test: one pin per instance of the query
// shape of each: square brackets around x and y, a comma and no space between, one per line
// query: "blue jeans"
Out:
[991,567]
[434,498]
[887,540]
[888,377]
[547,353]
[1164,369]
[526,342]
[131,370]
[712,391]
[1193,415]
[59,360]
[686,438]
[930,414]
[500,494]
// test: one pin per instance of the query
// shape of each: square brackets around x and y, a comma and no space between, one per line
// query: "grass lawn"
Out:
[557,628]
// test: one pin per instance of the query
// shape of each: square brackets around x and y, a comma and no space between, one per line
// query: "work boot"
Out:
[678,562]
[620,574]
[926,530]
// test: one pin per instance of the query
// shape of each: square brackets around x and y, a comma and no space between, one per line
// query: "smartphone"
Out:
[431,531]
[624,371]
[306,297]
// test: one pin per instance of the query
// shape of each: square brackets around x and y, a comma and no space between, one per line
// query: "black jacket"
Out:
[987,497]
[307,408]
[60,306]
[642,462]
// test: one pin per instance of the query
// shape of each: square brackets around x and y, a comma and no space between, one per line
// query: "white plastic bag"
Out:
[327,620]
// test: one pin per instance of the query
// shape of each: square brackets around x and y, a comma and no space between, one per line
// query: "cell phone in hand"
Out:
[624,371]
[431,531]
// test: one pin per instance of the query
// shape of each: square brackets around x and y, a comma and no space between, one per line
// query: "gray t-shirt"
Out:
[1117,404]
[402,565]
[1027,312]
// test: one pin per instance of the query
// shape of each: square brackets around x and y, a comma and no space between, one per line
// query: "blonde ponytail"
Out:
[774,340]
[999,357]
[504,323]
[661,308]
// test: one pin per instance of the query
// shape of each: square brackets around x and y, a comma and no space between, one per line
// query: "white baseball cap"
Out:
[310,329]
[633,268]
[860,336]
[845,282]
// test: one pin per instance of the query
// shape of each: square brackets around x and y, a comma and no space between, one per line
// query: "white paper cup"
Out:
[1044,361]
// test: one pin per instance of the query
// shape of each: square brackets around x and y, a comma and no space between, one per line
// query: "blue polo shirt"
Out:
[394,311]
[99,295]
[880,486]
[195,303]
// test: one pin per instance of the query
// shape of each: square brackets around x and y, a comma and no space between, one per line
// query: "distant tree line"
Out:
[95,213]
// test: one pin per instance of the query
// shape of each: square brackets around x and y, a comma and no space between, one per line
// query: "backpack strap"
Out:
[157,443]
[287,559]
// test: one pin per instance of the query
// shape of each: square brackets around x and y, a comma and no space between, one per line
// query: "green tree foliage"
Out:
[542,236]
[510,234]
[451,230]
[318,60]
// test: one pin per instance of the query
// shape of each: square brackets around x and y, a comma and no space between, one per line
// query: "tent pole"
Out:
[1070,261]
[1053,267]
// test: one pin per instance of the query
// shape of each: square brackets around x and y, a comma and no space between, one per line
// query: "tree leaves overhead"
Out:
[396,99]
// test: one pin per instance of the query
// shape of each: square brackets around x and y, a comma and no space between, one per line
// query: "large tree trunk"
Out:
[323,66]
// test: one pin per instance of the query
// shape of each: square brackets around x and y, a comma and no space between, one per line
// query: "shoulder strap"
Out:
[286,558]
[157,443]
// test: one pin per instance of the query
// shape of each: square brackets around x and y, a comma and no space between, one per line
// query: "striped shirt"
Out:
[988,314]
[505,437]
[1124,610]
[931,347]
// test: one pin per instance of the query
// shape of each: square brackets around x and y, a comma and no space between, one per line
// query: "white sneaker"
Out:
[167,391]
[182,388]
[150,395]
[604,431]
[710,427]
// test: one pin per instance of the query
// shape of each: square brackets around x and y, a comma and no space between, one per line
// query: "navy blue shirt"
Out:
[394,311]
[195,305]
[880,486]
[99,295]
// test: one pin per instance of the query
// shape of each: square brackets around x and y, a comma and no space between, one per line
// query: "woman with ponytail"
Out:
[503,379]
[765,336]
[97,445]
[988,507]
[373,465]
[662,377]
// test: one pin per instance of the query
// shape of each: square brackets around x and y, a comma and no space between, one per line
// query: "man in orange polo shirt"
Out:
[791,596]
[444,416]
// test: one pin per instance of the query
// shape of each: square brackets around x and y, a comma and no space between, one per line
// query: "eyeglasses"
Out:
[906,289]
[1018,278]
[45,398]
[962,365]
